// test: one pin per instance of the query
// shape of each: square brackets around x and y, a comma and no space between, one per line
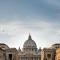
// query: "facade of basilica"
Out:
[28,52]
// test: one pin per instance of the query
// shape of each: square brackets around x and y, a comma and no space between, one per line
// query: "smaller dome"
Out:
[30,43]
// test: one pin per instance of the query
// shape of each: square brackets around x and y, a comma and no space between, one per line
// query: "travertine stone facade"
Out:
[47,54]
[2,54]
[29,52]
[11,54]
[57,54]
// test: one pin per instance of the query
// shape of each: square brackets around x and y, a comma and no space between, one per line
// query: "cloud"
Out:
[14,33]
[43,8]
[39,18]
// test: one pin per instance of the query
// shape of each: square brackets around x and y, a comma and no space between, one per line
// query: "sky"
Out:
[40,18]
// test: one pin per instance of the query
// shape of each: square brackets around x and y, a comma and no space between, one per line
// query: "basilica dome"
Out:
[29,43]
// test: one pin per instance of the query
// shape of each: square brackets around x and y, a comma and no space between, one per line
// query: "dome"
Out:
[30,43]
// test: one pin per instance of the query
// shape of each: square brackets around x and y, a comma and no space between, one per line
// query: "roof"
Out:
[29,43]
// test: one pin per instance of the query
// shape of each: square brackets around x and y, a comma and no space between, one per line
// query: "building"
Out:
[47,54]
[2,54]
[57,54]
[55,46]
[50,53]
[29,52]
